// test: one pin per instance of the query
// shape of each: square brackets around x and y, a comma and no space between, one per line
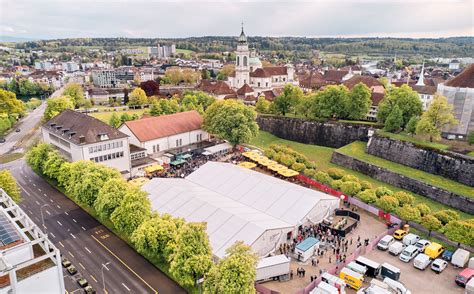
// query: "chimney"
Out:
[82,140]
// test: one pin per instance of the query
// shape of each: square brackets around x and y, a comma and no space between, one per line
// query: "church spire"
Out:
[242,37]
[421,78]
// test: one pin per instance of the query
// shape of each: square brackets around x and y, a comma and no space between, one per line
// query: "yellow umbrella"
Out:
[247,164]
[250,154]
[277,167]
[153,168]
[288,173]
[267,162]
[138,182]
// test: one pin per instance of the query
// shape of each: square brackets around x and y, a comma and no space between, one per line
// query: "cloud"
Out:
[179,18]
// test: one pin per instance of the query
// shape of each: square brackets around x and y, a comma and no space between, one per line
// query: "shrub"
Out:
[350,178]
[408,213]
[387,203]
[335,173]
[460,231]
[368,196]
[310,164]
[350,188]
[298,166]
[431,223]
[424,209]
[270,153]
[323,177]
[445,216]
[277,156]
[404,198]
[365,185]
[309,172]
[287,160]
[336,184]
[382,191]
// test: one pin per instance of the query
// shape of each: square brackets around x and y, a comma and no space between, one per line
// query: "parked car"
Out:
[411,239]
[396,248]
[89,290]
[438,265]
[409,253]
[421,261]
[399,234]
[82,282]
[464,277]
[460,257]
[66,263]
[434,250]
[2,140]
[422,244]
[447,255]
[17,130]
[72,270]
[385,242]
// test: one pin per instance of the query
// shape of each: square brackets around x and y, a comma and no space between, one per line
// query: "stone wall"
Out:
[440,195]
[450,165]
[330,134]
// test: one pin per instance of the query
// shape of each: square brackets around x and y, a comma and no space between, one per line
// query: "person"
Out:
[291,275]
[311,279]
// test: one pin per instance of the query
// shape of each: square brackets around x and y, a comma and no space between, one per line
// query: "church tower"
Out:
[242,66]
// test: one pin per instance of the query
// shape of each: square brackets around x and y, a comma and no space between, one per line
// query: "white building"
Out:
[44,65]
[23,270]
[81,137]
[249,70]
[239,204]
[165,51]
[176,133]
[104,78]
[70,66]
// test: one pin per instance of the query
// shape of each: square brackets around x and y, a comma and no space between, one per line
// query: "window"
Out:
[266,84]
[259,84]
[245,60]
[154,148]
[238,60]
[284,79]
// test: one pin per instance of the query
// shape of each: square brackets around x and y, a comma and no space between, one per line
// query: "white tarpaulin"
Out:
[239,204]
[224,147]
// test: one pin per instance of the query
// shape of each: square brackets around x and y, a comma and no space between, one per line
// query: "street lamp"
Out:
[42,217]
[102,272]
[342,197]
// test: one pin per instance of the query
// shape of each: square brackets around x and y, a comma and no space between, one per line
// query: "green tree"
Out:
[235,273]
[359,102]
[37,156]
[446,215]
[10,105]
[76,93]
[382,191]
[232,121]
[407,101]
[137,98]
[323,177]
[350,188]
[404,198]
[155,109]
[115,120]
[262,105]
[192,255]
[9,185]
[411,125]
[335,173]
[461,231]
[56,105]
[133,210]
[408,213]
[431,223]
[225,71]
[438,116]
[290,97]
[387,203]
[368,196]
[424,209]
[304,106]
[52,165]
[125,117]
[470,138]
[330,102]
[394,120]
[110,196]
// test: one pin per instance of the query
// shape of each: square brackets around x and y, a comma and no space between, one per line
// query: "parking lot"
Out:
[417,281]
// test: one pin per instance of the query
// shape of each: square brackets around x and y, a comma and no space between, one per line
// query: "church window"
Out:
[245,60]
[284,79]
[259,84]
[238,60]
[267,84]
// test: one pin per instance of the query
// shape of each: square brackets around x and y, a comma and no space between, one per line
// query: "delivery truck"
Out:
[460,257]
[390,271]
[277,266]
[373,268]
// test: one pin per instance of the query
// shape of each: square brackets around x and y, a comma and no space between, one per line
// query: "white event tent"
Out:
[239,204]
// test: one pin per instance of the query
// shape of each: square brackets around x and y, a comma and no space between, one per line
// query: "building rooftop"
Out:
[463,80]
[367,80]
[215,87]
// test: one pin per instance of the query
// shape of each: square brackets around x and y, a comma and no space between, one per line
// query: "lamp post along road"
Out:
[42,216]
[102,271]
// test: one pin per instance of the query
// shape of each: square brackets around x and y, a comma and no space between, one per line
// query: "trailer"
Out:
[273,267]
[305,249]
[324,288]
[460,257]
[373,268]
[388,270]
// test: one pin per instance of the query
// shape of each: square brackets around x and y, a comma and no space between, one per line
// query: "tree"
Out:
[350,188]
[192,255]
[322,177]
[411,125]
[137,98]
[133,210]
[155,109]
[37,156]
[368,196]
[438,116]
[87,104]
[304,106]
[404,198]
[335,173]
[115,121]
[382,191]
[424,209]
[56,105]
[470,138]
[190,76]
[53,164]
[205,75]
[10,105]
[408,213]
[359,102]
[287,101]
[76,93]
[431,223]
[461,231]
[330,102]
[387,203]
[231,120]
[151,88]
[446,216]
[407,101]
[173,75]
[235,273]
[226,71]
[394,120]
[262,105]
[110,196]
[9,185]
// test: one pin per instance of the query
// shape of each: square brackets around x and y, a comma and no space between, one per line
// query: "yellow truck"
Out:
[434,250]
[352,279]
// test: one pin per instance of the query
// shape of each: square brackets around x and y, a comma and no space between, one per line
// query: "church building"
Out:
[250,74]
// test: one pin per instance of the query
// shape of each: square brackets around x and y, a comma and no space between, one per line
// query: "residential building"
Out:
[336,76]
[70,66]
[103,96]
[454,64]
[313,82]
[29,262]
[125,73]
[216,88]
[162,52]
[174,133]
[44,65]
[51,78]
[104,78]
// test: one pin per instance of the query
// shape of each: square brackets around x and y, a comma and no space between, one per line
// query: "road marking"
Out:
[72,235]
[58,206]
[29,180]
[37,218]
[95,278]
[51,200]
[113,254]
[126,287]
[39,189]
[83,228]
[87,249]
[66,213]
[34,184]
[49,213]
[27,193]
[45,195]
[82,265]
[59,223]
[61,243]
[74,220]
[37,202]
[70,253]
[52,235]
[31,212]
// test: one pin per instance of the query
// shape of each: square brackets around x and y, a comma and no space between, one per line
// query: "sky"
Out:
[51,19]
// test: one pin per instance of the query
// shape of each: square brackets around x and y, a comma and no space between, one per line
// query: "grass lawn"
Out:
[415,140]
[184,51]
[322,156]
[357,150]
[105,116]
[5,158]
[471,154]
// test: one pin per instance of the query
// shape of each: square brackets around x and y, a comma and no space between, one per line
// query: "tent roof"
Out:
[237,203]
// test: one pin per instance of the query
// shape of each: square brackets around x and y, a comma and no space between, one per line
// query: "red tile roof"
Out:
[245,89]
[463,80]
[367,80]
[269,71]
[376,98]
[151,128]
[215,87]
[313,81]
[334,76]
[271,94]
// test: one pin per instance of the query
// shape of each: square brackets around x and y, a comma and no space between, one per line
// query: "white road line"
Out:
[66,213]
[29,180]
[45,195]
[128,289]
[61,243]
[37,202]
[83,228]
[52,235]
[49,213]
[34,184]
[70,253]
[31,212]
[25,191]
[58,206]
[82,265]
[87,249]
[51,200]
[37,218]
[59,223]
[39,189]
[74,220]
[72,235]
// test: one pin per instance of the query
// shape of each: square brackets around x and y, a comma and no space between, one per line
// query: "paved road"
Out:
[85,242]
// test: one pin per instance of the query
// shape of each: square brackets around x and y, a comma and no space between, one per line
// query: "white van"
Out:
[411,239]
[408,253]
[396,248]
[397,286]
[385,242]
[421,261]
